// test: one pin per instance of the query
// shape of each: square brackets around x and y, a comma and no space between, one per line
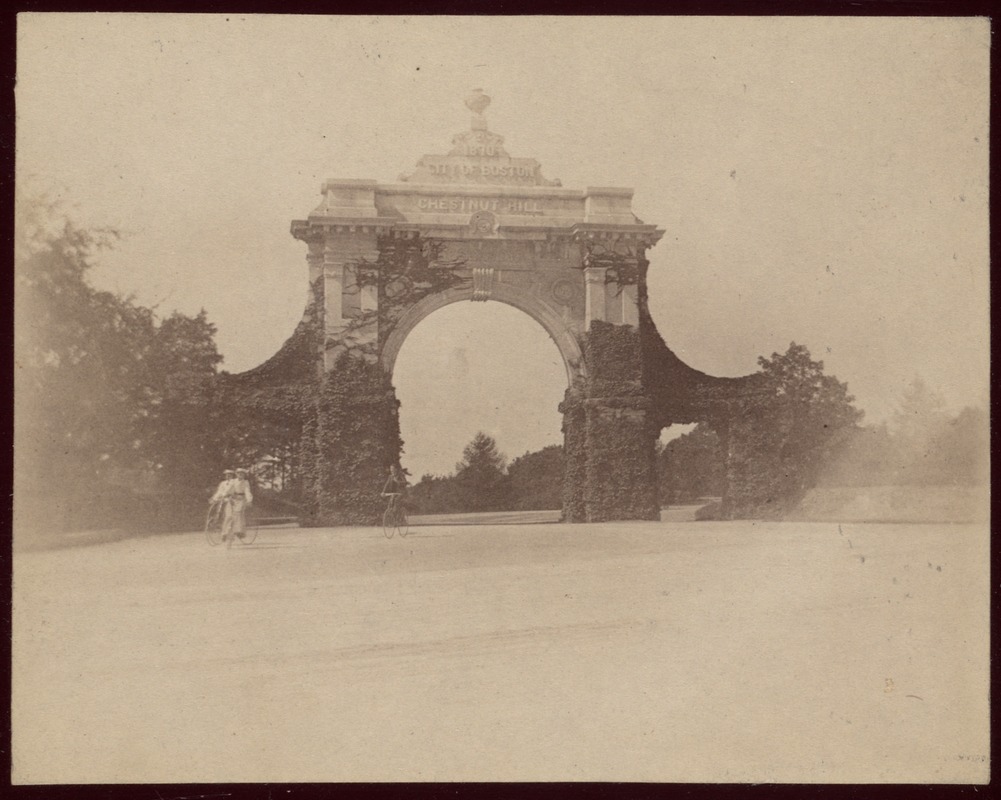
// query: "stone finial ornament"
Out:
[477,102]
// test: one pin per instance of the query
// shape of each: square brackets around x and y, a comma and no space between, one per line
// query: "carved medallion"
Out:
[396,288]
[483,223]
[564,291]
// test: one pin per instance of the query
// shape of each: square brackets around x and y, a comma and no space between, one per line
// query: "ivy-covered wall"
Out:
[358,439]
[609,433]
[343,427]
[614,360]
[681,394]
[574,456]
[621,461]
[272,407]
[309,465]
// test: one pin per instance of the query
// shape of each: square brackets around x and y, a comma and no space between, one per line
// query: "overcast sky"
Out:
[822,180]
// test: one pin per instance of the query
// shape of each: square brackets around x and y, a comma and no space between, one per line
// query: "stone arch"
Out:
[574,260]
[563,337]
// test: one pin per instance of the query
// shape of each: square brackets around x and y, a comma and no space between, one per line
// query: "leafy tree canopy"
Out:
[692,466]
[107,395]
[481,476]
[792,433]
[536,480]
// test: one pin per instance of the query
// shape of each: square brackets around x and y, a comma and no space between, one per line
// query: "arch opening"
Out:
[467,368]
[560,334]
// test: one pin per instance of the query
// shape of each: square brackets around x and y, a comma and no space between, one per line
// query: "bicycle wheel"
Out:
[213,526]
[249,535]
[402,524]
[388,520]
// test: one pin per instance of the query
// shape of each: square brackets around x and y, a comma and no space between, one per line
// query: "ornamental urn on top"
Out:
[477,102]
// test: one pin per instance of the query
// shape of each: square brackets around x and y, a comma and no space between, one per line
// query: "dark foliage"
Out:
[532,482]
[480,476]
[113,414]
[620,432]
[406,270]
[358,439]
[436,494]
[692,466]
[780,442]
[536,480]
[574,457]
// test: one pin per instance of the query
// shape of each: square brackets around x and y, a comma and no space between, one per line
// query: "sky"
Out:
[819,180]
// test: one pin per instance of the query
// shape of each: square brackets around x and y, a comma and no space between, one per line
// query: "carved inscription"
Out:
[460,205]
[462,170]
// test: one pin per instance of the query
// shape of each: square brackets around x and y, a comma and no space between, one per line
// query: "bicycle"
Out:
[394,520]
[215,522]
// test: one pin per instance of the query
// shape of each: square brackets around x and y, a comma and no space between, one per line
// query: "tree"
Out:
[923,445]
[81,365]
[962,449]
[919,427]
[435,494]
[113,408]
[536,480]
[480,475]
[921,412]
[692,466]
[933,448]
[182,431]
[797,428]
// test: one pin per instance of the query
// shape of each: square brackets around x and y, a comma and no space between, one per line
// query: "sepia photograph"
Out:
[501,399]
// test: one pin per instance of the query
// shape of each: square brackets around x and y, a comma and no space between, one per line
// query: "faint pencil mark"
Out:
[916,697]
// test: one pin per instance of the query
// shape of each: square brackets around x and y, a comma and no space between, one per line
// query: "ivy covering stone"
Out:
[342,427]
[407,269]
[620,475]
[574,456]
[358,439]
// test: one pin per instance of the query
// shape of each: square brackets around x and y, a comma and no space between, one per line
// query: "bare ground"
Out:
[625,651]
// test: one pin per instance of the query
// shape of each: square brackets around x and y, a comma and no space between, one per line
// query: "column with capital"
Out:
[594,295]
[629,299]
[350,306]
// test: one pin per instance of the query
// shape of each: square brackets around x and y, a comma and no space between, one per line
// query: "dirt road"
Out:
[627,651]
